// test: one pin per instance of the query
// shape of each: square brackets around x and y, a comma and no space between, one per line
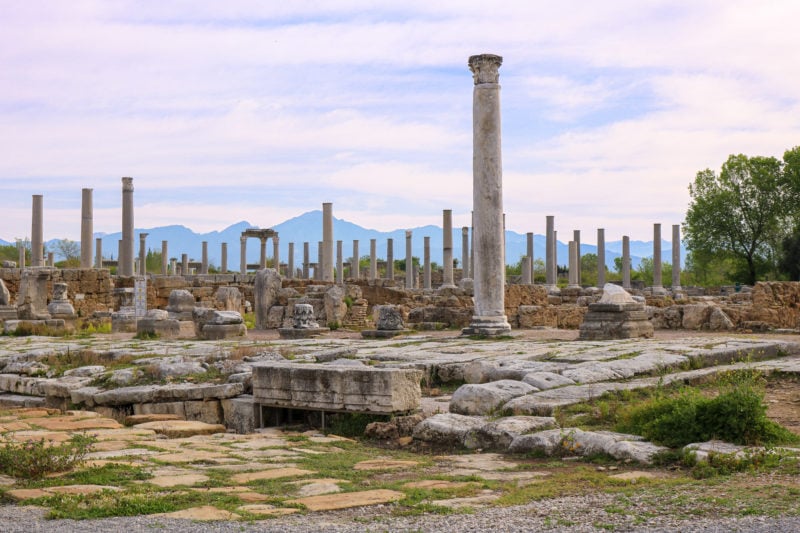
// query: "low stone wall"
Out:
[89,290]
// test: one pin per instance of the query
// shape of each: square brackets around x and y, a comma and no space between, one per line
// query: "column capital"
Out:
[127,184]
[485,67]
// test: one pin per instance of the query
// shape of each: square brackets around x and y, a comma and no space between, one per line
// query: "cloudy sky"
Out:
[262,110]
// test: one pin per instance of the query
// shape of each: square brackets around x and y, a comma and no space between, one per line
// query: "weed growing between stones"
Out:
[146,336]
[37,458]
[737,414]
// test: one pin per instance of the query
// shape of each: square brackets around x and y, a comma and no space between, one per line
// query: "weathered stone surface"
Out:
[334,388]
[535,316]
[203,513]
[481,399]
[228,299]
[447,429]
[573,441]
[155,393]
[272,473]
[32,295]
[239,414]
[546,380]
[265,292]
[388,318]
[719,321]
[499,434]
[330,502]
[5,296]
[616,316]
[335,307]
[175,429]
[181,303]
[695,316]
[614,294]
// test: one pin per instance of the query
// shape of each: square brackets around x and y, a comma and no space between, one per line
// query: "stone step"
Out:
[19,400]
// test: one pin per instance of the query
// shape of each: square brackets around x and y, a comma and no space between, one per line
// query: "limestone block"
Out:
[696,316]
[388,318]
[163,328]
[499,434]
[156,393]
[265,291]
[163,408]
[209,411]
[546,380]
[335,308]
[223,331]
[337,387]
[181,304]
[719,321]
[239,414]
[174,369]
[228,299]
[32,295]
[614,294]
[532,316]
[570,317]
[484,398]
[275,316]
[447,429]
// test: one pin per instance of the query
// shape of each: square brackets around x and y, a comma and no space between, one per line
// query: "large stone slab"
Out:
[155,393]
[484,398]
[336,387]
[330,502]
[447,429]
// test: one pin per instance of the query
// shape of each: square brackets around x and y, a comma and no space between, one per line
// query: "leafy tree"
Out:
[589,269]
[69,251]
[790,257]
[741,213]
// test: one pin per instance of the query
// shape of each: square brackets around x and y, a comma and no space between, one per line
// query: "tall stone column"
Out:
[626,262]
[223,262]
[262,258]
[657,283]
[676,257]
[373,259]
[243,255]
[164,257]
[550,273]
[529,253]
[327,241]
[390,259]
[143,254]
[573,265]
[447,248]
[276,254]
[204,258]
[465,272]
[306,261]
[471,241]
[576,236]
[87,228]
[409,262]
[555,253]
[339,263]
[173,267]
[290,262]
[526,270]
[185,264]
[487,200]
[21,254]
[320,261]
[426,272]
[126,252]
[355,271]
[98,253]
[37,231]
[601,257]
[51,260]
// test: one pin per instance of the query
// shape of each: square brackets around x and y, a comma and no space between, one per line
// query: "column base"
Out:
[490,326]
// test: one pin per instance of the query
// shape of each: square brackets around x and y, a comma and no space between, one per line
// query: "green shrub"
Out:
[737,414]
[37,458]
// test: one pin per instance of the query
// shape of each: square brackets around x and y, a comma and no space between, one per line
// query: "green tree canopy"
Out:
[741,213]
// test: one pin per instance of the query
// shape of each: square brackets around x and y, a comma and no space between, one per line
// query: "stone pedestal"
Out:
[60,306]
[616,316]
[389,323]
[487,196]
[157,322]
[304,325]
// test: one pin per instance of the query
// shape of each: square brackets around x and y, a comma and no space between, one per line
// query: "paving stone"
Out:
[128,452]
[64,423]
[202,514]
[330,502]
[110,445]
[26,494]
[275,473]
[267,510]
[182,428]
[81,489]
[174,481]
[473,501]
[384,464]
[190,456]
[257,444]
[316,487]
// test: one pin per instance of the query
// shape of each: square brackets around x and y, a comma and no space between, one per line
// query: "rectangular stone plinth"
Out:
[323,387]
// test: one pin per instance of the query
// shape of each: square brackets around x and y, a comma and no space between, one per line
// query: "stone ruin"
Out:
[389,323]
[616,316]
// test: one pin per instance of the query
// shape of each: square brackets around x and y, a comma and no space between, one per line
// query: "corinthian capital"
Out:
[484,68]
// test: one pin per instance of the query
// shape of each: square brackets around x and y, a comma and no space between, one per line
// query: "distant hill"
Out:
[308,228]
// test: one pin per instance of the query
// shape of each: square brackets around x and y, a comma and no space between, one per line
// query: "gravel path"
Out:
[570,514]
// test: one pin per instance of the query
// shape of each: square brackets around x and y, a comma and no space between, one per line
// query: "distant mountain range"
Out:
[308,228]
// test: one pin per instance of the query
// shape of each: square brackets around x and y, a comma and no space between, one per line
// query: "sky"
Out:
[263,110]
